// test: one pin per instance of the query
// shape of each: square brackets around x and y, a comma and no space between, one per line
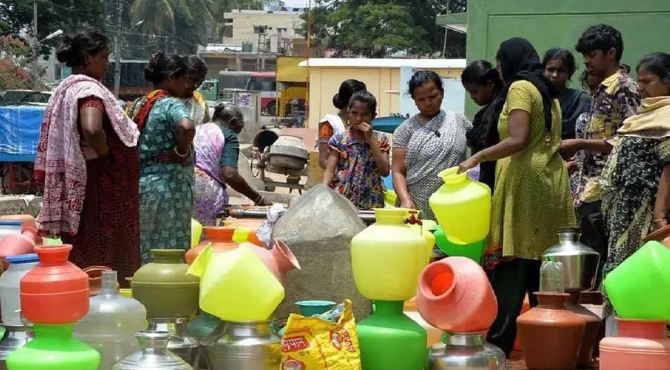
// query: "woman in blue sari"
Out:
[166,157]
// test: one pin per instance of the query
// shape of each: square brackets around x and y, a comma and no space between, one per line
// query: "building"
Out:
[252,39]
[549,24]
[386,79]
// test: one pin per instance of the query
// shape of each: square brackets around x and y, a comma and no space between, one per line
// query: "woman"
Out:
[193,99]
[531,198]
[88,163]
[426,144]
[166,182]
[559,66]
[333,124]
[217,149]
[635,181]
[483,83]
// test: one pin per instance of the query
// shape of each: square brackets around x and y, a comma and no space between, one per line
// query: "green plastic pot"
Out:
[389,339]
[473,251]
[54,348]
[642,275]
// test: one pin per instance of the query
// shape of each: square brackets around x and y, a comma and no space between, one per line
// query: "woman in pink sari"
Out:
[217,150]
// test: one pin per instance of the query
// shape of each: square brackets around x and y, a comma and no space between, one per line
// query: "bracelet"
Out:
[188,150]
[481,155]
[659,220]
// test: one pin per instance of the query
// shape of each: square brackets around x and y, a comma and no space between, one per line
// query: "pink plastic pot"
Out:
[641,345]
[455,295]
[14,245]
[279,260]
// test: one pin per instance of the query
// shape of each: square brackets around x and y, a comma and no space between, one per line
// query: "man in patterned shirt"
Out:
[615,99]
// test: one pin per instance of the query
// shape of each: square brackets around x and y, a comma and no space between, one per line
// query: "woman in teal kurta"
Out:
[166,158]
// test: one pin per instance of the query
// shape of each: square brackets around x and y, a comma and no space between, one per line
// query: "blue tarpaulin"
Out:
[19,132]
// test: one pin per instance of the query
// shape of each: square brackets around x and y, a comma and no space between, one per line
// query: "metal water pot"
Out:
[243,346]
[580,262]
[154,354]
[466,351]
[14,337]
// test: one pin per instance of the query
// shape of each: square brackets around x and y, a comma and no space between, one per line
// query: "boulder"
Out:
[318,227]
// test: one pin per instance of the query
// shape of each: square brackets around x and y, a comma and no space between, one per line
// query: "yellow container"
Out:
[196,232]
[428,236]
[241,235]
[462,207]
[425,229]
[236,285]
[128,293]
[389,198]
[388,256]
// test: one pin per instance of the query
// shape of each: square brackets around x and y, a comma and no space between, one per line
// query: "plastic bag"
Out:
[310,343]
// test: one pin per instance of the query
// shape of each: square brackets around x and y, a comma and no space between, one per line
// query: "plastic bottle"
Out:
[111,323]
[10,299]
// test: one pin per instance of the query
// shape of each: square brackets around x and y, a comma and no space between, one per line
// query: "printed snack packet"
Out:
[311,343]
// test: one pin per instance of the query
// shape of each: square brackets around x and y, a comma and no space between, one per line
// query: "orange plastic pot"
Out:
[220,237]
[55,291]
[455,295]
[28,220]
[95,278]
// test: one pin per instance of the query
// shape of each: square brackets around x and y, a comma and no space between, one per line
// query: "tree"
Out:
[371,27]
[185,22]
[14,54]
[67,15]
[374,30]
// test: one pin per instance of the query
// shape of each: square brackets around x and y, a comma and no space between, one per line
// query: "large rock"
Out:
[318,227]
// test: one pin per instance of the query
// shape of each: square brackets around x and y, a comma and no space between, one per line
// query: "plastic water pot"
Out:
[642,275]
[196,232]
[462,207]
[236,285]
[473,251]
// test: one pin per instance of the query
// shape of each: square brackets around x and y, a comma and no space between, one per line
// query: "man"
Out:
[615,99]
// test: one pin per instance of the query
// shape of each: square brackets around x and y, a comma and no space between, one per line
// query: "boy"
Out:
[359,158]
[614,100]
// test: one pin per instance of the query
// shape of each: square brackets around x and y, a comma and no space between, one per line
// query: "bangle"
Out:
[659,220]
[188,150]
[481,155]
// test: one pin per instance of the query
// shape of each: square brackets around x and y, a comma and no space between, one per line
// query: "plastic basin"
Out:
[642,275]
[311,308]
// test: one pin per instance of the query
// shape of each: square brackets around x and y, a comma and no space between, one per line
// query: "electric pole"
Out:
[37,43]
[117,50]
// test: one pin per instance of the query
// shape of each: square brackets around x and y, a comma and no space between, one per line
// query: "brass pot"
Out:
[164,287]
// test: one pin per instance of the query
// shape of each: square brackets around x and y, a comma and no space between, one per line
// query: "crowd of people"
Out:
[117,184]
[553,155]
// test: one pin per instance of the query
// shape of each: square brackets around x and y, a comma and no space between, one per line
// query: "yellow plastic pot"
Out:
[236,285]
[388,256]
[462,207]
[196,232]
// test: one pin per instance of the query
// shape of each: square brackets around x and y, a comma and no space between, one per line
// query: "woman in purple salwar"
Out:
[217,150]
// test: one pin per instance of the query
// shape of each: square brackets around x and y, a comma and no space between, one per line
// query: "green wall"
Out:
[645,25]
